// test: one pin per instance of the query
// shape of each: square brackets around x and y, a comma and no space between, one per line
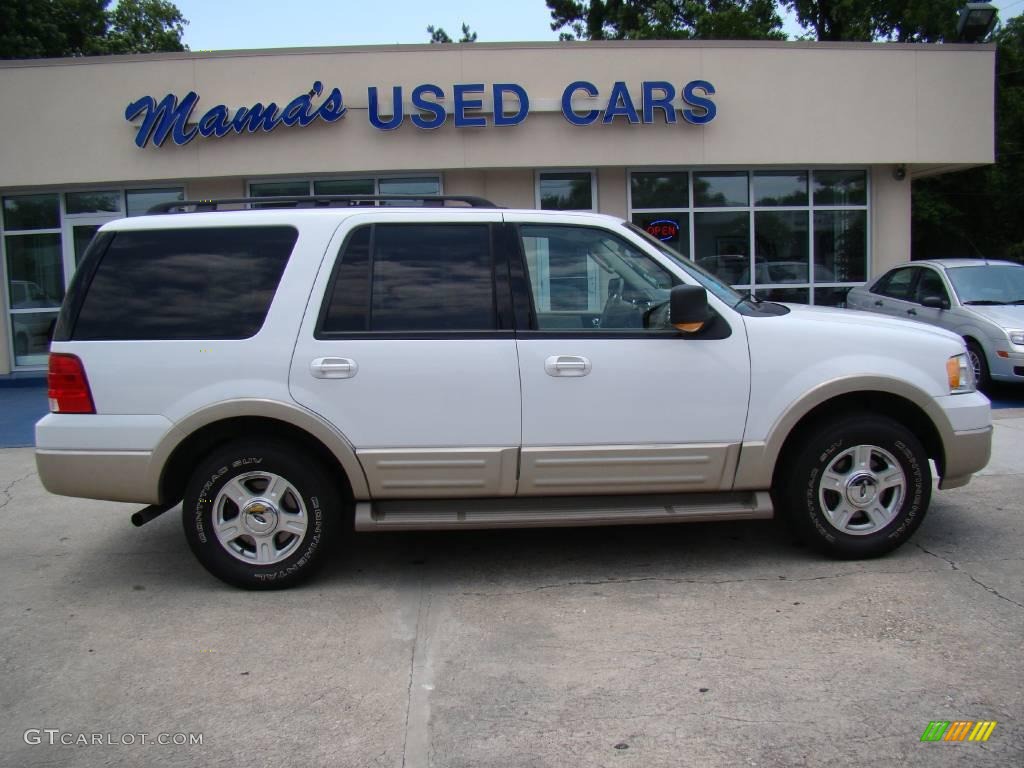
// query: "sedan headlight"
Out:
[961,374]
[1016,337]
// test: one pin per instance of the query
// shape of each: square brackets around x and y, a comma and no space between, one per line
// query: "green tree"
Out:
[52,28]
[144,26]
[438,35]
[904,21]
[977,212]
[666,19]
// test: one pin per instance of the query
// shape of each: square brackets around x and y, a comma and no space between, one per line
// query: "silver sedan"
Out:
[982,300]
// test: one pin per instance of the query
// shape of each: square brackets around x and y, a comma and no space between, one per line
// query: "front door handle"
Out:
[879,304]
[333,368]
[566,365]
[912,311]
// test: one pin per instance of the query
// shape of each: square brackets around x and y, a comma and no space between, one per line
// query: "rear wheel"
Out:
[858,488]
[258,515]
[977,357]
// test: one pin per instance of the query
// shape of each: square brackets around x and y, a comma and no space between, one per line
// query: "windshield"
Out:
[701,275]
[988,284]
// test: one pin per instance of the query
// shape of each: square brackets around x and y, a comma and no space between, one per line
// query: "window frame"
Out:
[64,227]
[716,328]
[752,208]
[593,188]
[310,180]
[500,288]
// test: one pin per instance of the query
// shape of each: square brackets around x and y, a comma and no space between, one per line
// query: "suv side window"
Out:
[897,284]
[412,278]
[930,284]
[176,284]
[584,278]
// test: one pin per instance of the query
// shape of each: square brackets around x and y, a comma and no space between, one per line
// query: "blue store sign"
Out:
[658,101]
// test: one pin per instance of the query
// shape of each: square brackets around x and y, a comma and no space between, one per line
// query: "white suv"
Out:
[290,374]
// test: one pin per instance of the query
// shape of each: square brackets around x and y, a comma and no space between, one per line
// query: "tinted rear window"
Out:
[212,283]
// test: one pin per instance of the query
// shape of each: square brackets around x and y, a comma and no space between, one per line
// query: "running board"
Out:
[558,512]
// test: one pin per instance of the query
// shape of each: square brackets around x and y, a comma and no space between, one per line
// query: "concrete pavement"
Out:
[702,645]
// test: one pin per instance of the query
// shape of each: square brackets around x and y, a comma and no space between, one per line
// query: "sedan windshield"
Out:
[988,284]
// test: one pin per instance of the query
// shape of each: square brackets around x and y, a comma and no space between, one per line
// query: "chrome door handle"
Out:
[566,365]
[333,368]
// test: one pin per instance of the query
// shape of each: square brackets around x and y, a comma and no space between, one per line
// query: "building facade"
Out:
[783,167]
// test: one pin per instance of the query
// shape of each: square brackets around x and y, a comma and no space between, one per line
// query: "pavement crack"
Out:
[10,486]
[992,590]
[937,556]
[953,565]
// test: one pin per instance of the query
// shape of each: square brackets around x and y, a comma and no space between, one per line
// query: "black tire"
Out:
[976,355]
[308,500]
[880,521]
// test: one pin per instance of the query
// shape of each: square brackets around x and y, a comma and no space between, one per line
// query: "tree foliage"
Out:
[903,21]
[438,35]
[977,212]
[666,19]
[51,28]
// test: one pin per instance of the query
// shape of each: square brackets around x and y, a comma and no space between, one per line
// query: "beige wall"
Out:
[890,219]
[796,103]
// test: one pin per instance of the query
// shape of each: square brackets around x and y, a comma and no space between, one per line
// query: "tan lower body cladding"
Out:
[433,473]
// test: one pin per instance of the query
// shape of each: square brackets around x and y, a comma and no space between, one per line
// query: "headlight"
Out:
[961,374]
[1016,337]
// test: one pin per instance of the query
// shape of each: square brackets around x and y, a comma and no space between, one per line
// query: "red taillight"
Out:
[69,389]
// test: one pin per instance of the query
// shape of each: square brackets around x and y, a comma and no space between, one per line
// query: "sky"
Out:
[233,24]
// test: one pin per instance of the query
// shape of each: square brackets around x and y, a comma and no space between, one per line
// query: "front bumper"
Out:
[1010,368]
[967,440]
[966,453]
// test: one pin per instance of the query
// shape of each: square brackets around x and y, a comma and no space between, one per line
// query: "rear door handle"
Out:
[879,304]
[333,368]
[912,311]
[567,365]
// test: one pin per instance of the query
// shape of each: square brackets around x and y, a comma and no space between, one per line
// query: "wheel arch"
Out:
[202,431]
[760,462]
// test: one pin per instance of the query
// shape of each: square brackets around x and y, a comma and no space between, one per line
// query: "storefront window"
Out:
[780,188]
[786,234]
[840,245]
[43,237]
[31,212]
[139,201]
[781,247]
[92,202]
[672,228]
[669,189]
[721,245]
[566,191]
[334,187]
[386,185]
[722,189]
[840,188]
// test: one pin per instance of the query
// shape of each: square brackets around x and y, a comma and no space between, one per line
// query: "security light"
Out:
[976,22]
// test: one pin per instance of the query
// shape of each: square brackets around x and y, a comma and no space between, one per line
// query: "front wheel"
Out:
[858,488]
[976,355]
[259,515]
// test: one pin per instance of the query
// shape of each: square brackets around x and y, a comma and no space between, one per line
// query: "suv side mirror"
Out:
[688,308]
[934,302]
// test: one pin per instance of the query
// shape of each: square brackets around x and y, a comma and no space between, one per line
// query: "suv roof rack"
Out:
[317,201]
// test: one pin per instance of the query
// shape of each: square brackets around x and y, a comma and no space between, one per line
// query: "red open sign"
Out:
[663,229]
